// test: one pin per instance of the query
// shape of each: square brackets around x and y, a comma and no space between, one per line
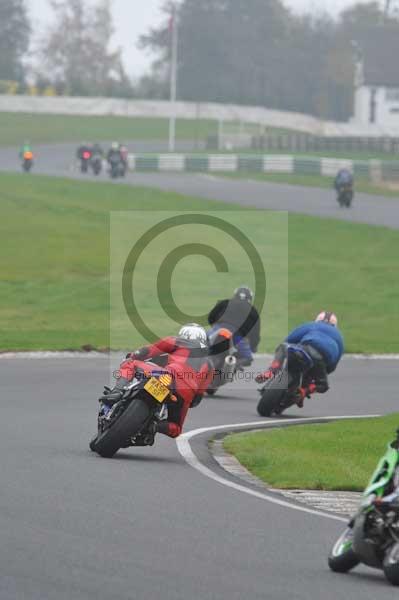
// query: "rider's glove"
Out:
[271,372]
[264,376]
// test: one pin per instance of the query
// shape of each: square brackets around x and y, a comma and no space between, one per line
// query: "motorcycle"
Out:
[96,164]
[224,358]
[372,535]
[117,168]
[280,391]
[129,411]
[345,196]
[27,162]
[85,161]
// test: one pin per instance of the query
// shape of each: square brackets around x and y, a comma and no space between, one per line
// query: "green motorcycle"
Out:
[372,535]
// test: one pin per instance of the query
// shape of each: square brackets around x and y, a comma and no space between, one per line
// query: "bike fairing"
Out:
[191,370]
[372,534]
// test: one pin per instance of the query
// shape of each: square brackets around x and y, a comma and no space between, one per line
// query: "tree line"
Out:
[73,57]
[254,52]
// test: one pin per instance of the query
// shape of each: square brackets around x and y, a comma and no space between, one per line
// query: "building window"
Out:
[392,95]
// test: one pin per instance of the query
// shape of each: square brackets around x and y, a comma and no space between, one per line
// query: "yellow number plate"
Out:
[156,389]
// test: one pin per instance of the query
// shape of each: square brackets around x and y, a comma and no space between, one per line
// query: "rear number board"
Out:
[156,389]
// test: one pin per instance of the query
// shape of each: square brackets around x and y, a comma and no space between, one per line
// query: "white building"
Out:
[377,78]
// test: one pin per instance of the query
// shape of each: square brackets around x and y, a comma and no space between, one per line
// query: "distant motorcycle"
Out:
[27,161]
[280,391]
[117,168]
[85,161]
[129,411]
[345,195]
[96,164]
[223,355]
[372,535]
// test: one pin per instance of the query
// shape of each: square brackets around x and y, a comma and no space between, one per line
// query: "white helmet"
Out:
[194,332]
[327,317]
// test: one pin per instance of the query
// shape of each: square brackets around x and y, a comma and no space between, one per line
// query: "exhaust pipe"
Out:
[230,366]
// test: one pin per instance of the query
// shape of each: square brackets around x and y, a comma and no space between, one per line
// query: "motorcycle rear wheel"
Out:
[391,565]
[131,421]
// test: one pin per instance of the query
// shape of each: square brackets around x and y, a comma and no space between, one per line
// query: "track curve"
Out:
[145,524]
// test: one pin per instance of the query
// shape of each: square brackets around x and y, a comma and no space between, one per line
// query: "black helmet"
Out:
[244,293]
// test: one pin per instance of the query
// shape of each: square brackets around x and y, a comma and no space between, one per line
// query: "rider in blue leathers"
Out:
[344,178]
[323,341]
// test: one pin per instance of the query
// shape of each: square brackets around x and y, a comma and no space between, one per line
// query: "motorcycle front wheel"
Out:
[342,558]
[270,401]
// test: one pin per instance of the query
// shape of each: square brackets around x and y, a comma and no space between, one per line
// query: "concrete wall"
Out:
[187,110]
[147,108]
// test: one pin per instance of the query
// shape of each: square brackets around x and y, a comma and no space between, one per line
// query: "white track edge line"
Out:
[185,450]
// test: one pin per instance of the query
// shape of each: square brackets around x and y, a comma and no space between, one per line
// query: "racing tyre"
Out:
[391,565]
[273,394]
[130,422]
[342,558]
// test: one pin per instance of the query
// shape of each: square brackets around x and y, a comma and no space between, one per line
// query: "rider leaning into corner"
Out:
[239,316]
[323,341]
[343,178]
[114,153]
[187,361]
[25,148]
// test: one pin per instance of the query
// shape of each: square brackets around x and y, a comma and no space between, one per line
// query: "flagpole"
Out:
[173,80]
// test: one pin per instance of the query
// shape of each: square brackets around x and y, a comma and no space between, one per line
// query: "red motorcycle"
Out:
[85,161]
[129,411]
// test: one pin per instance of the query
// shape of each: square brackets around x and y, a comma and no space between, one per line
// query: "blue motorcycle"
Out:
[281,391]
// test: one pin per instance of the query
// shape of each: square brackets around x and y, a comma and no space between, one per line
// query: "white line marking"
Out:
[184,447]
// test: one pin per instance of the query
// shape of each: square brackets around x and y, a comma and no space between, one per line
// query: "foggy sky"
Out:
[134,17]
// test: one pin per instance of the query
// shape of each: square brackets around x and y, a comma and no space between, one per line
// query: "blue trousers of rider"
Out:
[242,344]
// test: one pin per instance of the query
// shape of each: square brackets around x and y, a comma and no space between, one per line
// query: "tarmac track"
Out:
[74,526]
[59,160]
[145,525]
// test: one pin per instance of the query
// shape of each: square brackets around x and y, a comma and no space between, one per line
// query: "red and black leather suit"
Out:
[192,373]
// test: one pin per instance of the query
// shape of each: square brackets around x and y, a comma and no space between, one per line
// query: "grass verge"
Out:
[54,281]
[334,456]
[17,127]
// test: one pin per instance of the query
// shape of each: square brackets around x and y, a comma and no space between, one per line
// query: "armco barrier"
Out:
[374,170]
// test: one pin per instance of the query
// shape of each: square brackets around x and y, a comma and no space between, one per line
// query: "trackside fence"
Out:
[374,170]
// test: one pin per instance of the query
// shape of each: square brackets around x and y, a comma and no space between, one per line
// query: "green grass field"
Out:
[17,127]
[55,268]
[334,456]
[38,128]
